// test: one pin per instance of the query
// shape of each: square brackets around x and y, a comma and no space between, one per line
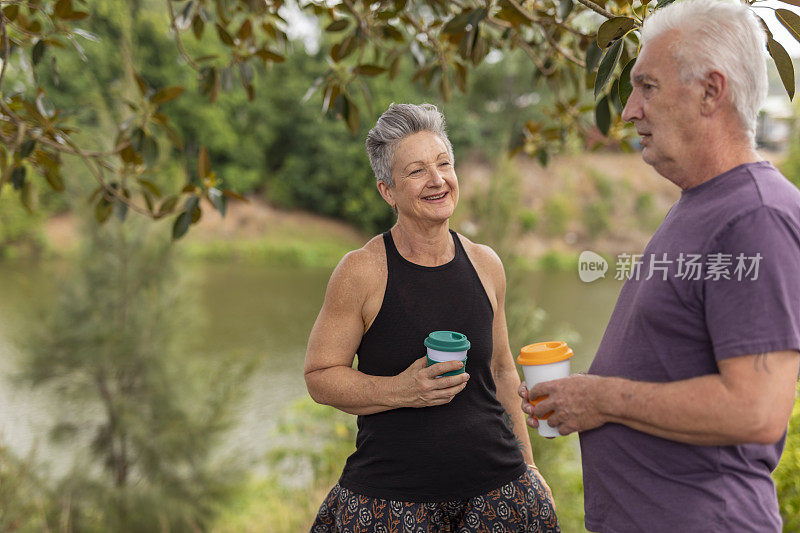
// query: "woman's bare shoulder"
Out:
[481,253]
[363,266]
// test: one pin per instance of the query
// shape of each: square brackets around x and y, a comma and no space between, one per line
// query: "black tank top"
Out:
[447,452]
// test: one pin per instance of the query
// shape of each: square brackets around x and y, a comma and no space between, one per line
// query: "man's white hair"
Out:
[722,36]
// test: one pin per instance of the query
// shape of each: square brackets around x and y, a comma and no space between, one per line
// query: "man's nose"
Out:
[633,107]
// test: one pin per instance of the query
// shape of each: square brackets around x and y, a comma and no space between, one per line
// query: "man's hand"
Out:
[418,386]
[572,403]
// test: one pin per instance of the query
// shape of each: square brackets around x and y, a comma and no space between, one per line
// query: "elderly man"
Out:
[683,413]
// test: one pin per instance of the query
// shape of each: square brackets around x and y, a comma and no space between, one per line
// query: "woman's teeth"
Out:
[437,197]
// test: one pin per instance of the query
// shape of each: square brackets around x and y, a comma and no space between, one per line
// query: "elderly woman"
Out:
[432,454]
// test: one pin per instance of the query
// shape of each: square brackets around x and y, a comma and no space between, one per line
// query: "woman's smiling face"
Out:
[425,182]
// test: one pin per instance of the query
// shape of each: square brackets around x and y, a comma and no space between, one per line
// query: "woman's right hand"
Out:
[417,385]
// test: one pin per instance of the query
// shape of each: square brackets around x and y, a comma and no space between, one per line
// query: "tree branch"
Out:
[564,53]
[597,9]
[6,51]
[535,58]
[178,40]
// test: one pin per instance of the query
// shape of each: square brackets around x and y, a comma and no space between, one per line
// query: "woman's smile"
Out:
[437,198]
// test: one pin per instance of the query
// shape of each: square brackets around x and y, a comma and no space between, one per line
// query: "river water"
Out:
[261,311]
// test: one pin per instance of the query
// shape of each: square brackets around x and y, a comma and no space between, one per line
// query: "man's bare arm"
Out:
[750,400]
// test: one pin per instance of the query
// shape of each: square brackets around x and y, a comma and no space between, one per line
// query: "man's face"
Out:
[664,110]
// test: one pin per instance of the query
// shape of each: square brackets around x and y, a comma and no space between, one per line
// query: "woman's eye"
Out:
[415,171]
[444,164]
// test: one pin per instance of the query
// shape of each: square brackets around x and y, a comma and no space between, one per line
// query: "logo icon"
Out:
[591,266]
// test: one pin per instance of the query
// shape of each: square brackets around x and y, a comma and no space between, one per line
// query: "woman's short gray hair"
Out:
[394,125]
[721,36]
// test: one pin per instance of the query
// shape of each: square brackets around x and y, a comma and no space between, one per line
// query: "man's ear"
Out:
[386,192]
[715,92]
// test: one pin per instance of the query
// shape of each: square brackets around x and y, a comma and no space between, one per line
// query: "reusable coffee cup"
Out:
[540,362]
[446,346]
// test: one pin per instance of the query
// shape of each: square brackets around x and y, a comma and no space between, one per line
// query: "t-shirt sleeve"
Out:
[757,309]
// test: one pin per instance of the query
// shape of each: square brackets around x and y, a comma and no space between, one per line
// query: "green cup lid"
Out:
[447,341]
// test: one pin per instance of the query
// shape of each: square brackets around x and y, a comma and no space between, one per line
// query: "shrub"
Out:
[597,218]
[787,475]
[528,220]
[556,215]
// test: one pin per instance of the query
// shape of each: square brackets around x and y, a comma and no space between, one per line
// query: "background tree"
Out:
[576,45]
[152,413]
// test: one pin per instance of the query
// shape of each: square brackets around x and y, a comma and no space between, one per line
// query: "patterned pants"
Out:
[521,505]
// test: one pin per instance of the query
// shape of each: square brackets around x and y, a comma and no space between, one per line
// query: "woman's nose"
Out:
[436,176]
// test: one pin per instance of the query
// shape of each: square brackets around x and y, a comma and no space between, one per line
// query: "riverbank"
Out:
[609,203]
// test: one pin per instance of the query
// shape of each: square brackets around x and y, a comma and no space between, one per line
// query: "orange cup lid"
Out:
[543,353]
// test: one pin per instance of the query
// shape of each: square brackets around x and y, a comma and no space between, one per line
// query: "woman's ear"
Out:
[386,192]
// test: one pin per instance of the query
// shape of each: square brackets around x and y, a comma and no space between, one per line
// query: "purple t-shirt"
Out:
[677,325]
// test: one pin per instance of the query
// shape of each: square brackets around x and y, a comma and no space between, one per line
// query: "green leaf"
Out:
[166,94]
[38,51]
[140,83]
[390,32]
[150,150]
[63,8]
[11,12]
[394,67]
[593,55]
[218,200]
[480,50]
[268,55]
[542,156]
[790,21]
[198,26]
[245,30]
[89,36]
[181,225]
[224,36]
[509,14]
[54,178]
[337,25]
[234,195]
[351,115]
[102,209]
[784,64]
[369,70]
[607,64]
[564,9]
[602,115]
[187,217]
[625,87]
[27,148]
[18,177]
[150,186]
[167,205]
[613,29]
[120,209]
[28,196]
[458,23]
[203,163]
[613,96]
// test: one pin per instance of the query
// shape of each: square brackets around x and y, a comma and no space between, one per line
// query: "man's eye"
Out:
[415,171]
[444,164]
